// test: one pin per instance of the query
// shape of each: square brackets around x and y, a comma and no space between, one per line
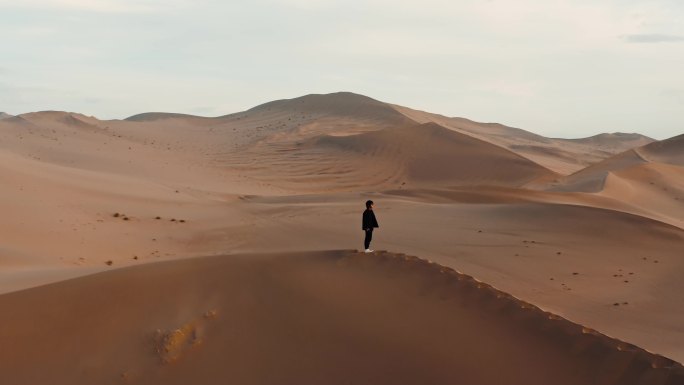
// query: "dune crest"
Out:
[649,179]
[329,317]
[563,156]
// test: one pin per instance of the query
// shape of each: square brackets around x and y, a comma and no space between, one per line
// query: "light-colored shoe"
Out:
[368,251]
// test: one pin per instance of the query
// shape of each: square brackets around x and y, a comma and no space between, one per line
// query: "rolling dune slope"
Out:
[433,154]
[564,156]
[398,157]
[334,317]
[669,151]
[349,113]
[648,180]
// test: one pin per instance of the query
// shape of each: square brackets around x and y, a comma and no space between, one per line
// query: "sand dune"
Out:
[618,140]
[431,153]
[323,317]
[154,116]
[669,151]
[346,112]
[399,157]
[341,104]
[560,155]
[82,195]
[4,115]
[648,180]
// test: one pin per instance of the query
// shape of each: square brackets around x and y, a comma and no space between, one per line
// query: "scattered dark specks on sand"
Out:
[109,263]
[182,221]
[173,219]
[157,218]
[116,215]
[575,273]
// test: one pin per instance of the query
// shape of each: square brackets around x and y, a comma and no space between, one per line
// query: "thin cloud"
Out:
[97,6]
[653,38]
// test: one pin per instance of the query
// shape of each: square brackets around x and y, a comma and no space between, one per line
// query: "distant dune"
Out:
[4,115]
[154,116]
[560,155]
[357,113]
[430,153]
[615,139]
[649,179]
[670,151]
[341,104]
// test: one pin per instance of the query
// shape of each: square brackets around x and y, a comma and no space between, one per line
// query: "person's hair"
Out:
[368,204]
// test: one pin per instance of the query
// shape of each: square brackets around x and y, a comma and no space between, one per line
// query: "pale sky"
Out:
[556,67]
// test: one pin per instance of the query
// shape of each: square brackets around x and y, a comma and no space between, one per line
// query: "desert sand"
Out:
[183,249]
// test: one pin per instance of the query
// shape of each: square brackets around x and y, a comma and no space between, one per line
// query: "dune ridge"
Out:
[347,111]
[410,156]
[212,318]
[669,151]
[648,179]
[564,156]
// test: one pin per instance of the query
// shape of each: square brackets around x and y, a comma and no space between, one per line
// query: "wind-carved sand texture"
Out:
[588,229]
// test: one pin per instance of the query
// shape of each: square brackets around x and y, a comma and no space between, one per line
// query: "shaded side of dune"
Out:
[666,151]
[431,153]
[336,317]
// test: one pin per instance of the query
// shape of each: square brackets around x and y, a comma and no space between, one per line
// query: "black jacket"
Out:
[369,220]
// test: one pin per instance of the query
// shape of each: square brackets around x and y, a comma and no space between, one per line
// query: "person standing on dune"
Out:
[369,223]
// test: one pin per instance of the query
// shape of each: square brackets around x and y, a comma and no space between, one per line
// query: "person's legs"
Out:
[369,237]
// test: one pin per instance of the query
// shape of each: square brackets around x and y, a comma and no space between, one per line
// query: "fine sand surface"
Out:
[335,317]
[588,229]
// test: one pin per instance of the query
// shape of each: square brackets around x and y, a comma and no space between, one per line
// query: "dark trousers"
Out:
[369,237]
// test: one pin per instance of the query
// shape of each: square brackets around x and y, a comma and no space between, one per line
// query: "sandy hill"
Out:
[561,155]
[61,117]
[407,157]
[433,154]
[670,151]
[615,139]
[301,117]
[64,177]
[648,179]
[152,116]
[4,115]
[334,317]
[346,112]
[340,104]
